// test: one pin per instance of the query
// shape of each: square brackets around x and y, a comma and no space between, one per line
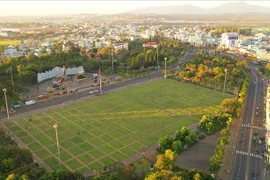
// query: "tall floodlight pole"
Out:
[157,57]
[225,81]
[100,84]
[5,94]
[11,75]
[165,75]
[112,62]
[55,126]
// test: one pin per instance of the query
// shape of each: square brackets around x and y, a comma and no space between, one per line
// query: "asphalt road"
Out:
[249,153]
[105,89]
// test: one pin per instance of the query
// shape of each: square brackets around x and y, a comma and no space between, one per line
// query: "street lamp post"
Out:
[11,75]
[112,61]
[55,126]
[165,75]
[225,81]
[157,58]
[5,94]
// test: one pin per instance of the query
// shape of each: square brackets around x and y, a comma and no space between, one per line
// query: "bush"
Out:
[201,136]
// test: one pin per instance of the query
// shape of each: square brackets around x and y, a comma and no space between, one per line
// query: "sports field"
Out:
[9,42]
[112,127]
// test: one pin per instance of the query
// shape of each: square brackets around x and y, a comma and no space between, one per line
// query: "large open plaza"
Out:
[110,128]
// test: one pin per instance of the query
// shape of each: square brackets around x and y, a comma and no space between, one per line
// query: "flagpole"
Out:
[100,81]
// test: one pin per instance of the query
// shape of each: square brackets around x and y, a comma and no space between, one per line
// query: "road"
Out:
[249,161]
[84,94]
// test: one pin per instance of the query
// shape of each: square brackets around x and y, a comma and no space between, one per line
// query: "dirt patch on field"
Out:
[198,156]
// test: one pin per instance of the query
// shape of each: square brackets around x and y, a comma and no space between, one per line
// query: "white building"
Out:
[263,55]
[150,44]
[10,51]
[118,46]
[4,34]
[133,38]
[10,29]
[195,40]
[229,40]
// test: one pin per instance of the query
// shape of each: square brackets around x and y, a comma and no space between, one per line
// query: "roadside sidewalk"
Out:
[229,160]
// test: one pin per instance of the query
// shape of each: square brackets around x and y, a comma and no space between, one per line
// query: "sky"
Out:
[15,8]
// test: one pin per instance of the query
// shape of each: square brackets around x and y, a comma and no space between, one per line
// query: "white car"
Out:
[30,102]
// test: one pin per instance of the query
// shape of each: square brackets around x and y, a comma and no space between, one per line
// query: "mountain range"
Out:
[231,7]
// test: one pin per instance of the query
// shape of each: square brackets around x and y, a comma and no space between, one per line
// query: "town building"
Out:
[229,40]
[118,46]
[10,30]
[150,44]
[267,124]
[263,55]
[195,40]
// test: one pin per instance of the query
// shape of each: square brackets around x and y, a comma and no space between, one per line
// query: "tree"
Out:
[228,105]
[205,120]
[209,126]
[24,177]
[182,133]
[229,122]
[62,174]
[225,132]
[188,140]
[215,163]
[197,176]
[170,154]
[4,153]
[165,143]
[22,156]
[193,135]
[36,172]
[165,161]
[12,177]
[224,141]
[8,164]
[128,172]
[177,146]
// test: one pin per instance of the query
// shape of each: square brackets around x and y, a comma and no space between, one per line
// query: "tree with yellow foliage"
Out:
[166,161]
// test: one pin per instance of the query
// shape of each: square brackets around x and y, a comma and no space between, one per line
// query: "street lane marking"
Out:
[248,154]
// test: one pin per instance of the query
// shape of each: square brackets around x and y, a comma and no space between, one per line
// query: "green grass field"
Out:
[9,42]
[110,128]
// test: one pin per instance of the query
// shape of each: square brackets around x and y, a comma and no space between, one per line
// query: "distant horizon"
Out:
[58,8]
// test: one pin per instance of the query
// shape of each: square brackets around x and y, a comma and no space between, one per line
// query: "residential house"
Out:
[150,44]
[118,46]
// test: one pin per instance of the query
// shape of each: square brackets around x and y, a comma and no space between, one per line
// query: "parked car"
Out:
[256,113]
[15,106]
[30,102]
